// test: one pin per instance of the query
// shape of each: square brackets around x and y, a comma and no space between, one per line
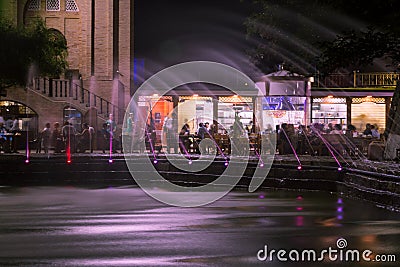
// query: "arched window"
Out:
[52,5]
[28,119]
[34,5]
[70,5]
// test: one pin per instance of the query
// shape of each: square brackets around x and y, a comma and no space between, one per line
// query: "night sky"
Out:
[168,32]
[175,31]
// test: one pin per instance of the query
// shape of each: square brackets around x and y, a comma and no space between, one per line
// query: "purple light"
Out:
[299,221]
[226,163]
[339,169]
[155,161]
[340,201]
[299,167]
[340,209]
[261,196]
[190,162]
[262,165]
[340,217]
[299,197]
[110,161]
[27,161]
[299,208]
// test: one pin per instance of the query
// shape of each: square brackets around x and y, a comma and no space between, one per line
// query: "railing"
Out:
[68,90]
[357,79]
[376,79]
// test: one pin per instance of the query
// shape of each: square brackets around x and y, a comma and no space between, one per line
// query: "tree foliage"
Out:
[34,48]
[354,50]
[311,35]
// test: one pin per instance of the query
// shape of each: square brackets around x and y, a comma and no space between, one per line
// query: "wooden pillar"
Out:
[348,108]
[255,122]
[175,115]
[388,102]
[215,112]
[311,110]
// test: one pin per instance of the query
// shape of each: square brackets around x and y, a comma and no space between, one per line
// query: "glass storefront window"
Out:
[156,107]
[368,110]
[231,107]
[283,109]
[329,110]
[193,110]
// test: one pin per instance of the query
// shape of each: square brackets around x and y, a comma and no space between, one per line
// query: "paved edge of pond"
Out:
[378,182]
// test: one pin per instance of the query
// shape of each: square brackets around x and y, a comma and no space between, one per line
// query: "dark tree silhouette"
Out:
[311,35]
[34,50]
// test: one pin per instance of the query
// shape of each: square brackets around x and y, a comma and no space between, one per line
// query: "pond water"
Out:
[69,226]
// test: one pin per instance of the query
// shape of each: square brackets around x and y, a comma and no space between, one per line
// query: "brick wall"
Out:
[77,29]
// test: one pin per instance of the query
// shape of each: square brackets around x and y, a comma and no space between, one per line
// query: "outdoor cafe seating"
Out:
[7,142]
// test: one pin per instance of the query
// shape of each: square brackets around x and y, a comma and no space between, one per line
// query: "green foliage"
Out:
[34,48]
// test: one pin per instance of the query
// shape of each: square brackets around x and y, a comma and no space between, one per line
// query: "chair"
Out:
[254,140]
[337,143]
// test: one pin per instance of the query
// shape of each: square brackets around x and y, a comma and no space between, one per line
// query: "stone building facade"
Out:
[99,37]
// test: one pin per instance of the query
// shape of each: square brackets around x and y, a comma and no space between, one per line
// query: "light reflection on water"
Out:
[124,227]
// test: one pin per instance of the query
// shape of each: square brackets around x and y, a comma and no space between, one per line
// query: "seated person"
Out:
[351,131]
[4,143]
[337,129]
[367,130]
[374,132]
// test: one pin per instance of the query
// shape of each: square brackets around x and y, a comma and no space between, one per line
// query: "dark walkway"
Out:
[69,226]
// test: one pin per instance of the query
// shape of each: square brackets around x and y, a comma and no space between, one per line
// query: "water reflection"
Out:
[124,227]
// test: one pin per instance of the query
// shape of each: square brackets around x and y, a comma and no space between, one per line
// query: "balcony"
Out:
[358,80]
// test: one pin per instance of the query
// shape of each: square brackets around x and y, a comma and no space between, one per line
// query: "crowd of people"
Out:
[190,141]
[305,138]
[187,144]
[65,137]
[68,138]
